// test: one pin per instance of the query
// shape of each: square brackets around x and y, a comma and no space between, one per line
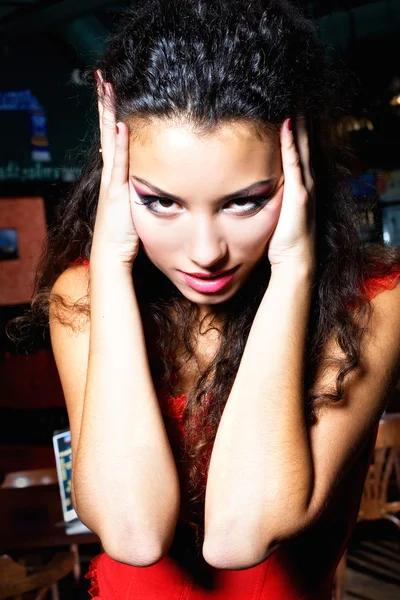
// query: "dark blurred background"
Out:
[47,118]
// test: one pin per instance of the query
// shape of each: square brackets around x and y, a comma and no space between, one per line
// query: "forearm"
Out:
[261,469]
[125,478]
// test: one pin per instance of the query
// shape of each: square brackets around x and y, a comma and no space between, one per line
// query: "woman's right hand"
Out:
[114,236]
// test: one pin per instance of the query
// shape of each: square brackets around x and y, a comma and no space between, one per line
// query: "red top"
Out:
[300,569]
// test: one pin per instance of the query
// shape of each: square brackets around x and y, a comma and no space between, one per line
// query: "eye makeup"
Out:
[256,188]
[256,200]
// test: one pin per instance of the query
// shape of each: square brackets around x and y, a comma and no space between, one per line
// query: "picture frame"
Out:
[22,233]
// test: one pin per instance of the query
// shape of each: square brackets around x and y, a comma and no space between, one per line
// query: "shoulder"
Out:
[380,345]
[389,291]
[384,317]
[384,327]
[73,282]
[69,295]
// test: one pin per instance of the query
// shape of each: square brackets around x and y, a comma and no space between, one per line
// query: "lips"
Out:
[210,285]
[213,275]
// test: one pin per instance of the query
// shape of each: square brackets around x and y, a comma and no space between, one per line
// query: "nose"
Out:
[207,247]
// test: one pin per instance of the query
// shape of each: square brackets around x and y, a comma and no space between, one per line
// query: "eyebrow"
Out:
[240,193]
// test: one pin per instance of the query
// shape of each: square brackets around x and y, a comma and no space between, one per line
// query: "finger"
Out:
[108,125]
[99,82]
[120,168]
[107,129]
[304,154]
[290,159]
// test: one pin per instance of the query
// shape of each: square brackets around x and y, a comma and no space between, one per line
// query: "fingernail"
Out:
[117,128]
[289,124]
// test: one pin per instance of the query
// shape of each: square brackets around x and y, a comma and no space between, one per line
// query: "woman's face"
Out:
[193,226]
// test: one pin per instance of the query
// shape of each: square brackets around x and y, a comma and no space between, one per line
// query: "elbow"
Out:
[237,548]
[124,544]
[138,555]
[237,556]
[127,545]
[131,547]
[138,544]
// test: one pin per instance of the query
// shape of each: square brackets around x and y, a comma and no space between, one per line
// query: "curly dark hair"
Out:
[206,63]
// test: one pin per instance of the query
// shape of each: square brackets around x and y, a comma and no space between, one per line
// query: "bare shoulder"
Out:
[381,341]
[69,297]
[383,332]
[387,304]
[72,283]
[69,309]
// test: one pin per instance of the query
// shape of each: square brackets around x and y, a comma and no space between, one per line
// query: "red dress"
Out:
[300,569]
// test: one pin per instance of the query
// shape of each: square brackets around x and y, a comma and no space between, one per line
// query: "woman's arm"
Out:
[122,415]
[260,471]
[125,482]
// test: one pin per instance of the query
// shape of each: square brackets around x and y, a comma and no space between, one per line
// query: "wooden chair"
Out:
[374,502]
[41,477]
[15,581]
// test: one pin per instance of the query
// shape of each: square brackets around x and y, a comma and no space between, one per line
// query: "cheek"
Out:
[142,220]
[253,239]
[156,239]
[143,230]
[269,217]
[143,226]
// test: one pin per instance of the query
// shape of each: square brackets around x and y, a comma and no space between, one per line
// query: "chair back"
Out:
[14,579]
[383,471]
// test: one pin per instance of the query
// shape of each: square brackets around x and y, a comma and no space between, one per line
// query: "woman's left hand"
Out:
[293,240]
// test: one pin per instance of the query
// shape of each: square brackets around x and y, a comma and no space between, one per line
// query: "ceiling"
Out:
[85,23]
[365,32]
[44,13]
[22,15]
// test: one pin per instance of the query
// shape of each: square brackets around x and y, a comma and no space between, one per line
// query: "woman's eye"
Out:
[151,201]
[243,201]
[163,202]
[162,205]
[253,203]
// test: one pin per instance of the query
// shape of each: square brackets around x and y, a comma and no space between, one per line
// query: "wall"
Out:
[27,216]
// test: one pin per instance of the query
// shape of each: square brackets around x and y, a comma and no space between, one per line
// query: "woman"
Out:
[221,424]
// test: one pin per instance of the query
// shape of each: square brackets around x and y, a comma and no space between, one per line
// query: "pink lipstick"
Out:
[210,285]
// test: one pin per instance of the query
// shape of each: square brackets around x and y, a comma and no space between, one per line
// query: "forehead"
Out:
[169,144]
